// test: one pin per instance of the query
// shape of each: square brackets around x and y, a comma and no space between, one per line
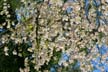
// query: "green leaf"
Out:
[101,34]
[65,1]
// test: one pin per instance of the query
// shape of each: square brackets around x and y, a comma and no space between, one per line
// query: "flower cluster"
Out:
[56,35]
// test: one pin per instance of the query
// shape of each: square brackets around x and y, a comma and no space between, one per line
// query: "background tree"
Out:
[53,35]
